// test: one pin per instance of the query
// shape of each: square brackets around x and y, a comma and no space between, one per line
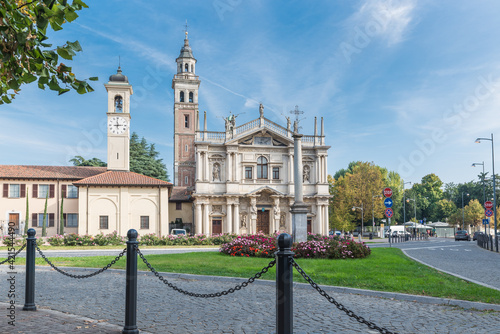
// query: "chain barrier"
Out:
[337,304]
[14,256]
[80,276]
[205,295]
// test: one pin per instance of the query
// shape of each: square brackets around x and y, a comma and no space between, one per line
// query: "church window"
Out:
[191,97]
[186,148]
[248,173]
[261,168]
[186,179]
[103,222]
[276,173]
[181,97]
[186,121]
[144,222]
[118,103]
[187,67]
[178,206]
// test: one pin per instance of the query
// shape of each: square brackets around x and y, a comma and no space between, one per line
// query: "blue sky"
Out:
[408,85]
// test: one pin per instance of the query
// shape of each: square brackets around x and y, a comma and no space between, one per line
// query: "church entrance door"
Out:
[216,226]
[14,217]
[263,222]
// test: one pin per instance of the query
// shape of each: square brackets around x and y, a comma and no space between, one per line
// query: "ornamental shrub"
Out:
[317,247]
[56,240]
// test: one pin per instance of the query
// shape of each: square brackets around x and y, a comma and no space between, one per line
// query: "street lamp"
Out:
[362,214]
[478,140]
[415,205]
[475,164]
[373,208]
[463,209]
[404,201]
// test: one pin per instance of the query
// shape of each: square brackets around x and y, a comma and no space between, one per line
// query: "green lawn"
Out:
[386,269]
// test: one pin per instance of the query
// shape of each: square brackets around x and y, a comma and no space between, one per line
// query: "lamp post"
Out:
[478,140]
[362,224]
[373,208]
[463,210]
[415,205]
[475,164]
[404,201]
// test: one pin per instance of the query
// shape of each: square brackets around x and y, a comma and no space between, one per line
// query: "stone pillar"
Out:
[229,159]
[206,177]
[229,219]
[199,166]
[299,208]
[206,220]
[252,223]
[318,220]
[237,218]
[199,219]
[290,169]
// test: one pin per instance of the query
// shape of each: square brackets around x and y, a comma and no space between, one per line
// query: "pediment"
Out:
[266,190]
[263,137]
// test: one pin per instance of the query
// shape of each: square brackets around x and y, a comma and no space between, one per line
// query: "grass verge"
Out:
[386,269]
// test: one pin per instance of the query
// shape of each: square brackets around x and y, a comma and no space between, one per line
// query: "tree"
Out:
[81,161]
[61,218]
[26,220]
[445,209]
[143,159]
[26,55]
[44,222]
[473,213]
[428,194]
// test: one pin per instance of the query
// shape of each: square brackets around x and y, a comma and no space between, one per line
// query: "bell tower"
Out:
[185,85]
[119,91]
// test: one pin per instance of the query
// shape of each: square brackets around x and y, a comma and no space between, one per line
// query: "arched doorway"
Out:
[262,221]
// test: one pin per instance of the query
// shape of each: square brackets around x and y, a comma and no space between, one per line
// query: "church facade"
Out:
[242,177]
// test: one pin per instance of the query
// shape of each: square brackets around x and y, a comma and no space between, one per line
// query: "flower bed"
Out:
[317,247]
[73,239]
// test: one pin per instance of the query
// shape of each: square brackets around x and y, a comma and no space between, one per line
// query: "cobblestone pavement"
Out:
[251,310]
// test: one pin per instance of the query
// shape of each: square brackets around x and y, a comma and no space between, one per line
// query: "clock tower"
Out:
[185,85]
[119,91]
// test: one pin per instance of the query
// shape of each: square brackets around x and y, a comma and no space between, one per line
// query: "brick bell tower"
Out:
[185,85]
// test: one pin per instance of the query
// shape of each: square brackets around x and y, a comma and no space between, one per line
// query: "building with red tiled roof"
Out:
[88,200]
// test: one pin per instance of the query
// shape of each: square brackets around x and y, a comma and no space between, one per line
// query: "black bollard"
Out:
[29,299]
[131,285]
[284,285]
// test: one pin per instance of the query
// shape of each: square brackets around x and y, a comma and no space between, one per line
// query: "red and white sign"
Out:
[387,192]
[388,212]
[488,205]
[488,212]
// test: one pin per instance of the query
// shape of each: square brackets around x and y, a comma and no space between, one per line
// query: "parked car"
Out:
[178,231]
[399,233]
[335,233]
[462,235]
[476,234]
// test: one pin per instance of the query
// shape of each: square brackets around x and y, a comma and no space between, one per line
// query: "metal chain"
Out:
[80,276]
[14,256]
[205,295]
[337,304]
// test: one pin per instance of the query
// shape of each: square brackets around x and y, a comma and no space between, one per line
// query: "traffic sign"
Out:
[388,212]
[387,192]
[488,212]
[388,202]
[486,221]
[488,205]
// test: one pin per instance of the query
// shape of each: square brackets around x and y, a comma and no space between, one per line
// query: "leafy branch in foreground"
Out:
[26,56]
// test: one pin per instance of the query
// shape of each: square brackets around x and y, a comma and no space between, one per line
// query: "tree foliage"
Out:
[143,159]
[26,55]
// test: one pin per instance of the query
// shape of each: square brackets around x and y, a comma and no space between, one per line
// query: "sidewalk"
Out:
[54,322]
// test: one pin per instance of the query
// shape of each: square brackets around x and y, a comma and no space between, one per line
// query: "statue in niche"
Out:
[282,221]
[243,220]
[306,173]
[216,172]
[261,110]
[253,209]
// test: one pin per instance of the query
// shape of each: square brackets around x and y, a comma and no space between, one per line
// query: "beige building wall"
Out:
[124,207]
[17,206]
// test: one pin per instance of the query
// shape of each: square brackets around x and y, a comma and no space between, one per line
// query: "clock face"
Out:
[117,125]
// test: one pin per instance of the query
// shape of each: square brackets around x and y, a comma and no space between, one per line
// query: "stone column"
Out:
[206,177]
[318,220]
[198,166]
[237,218]
[199,219]
[229,159]
[206,220]
[251,225]
[229,219]
[299,208]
